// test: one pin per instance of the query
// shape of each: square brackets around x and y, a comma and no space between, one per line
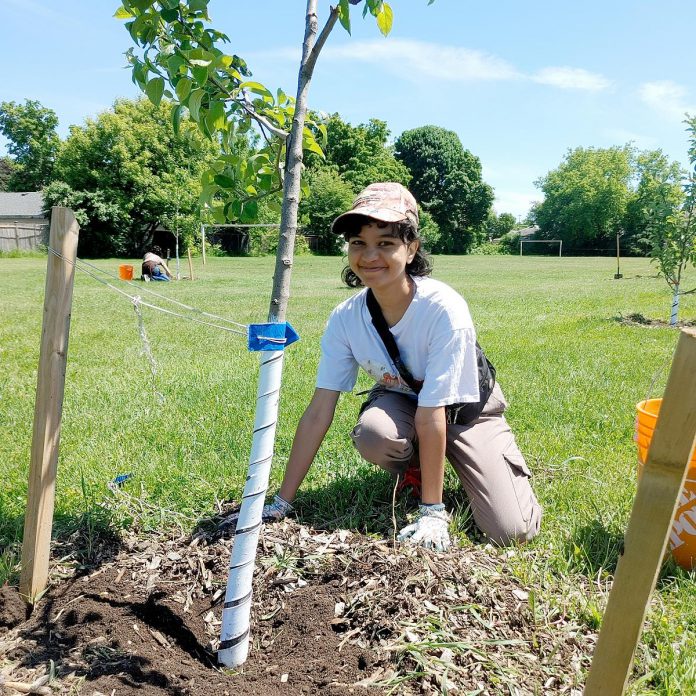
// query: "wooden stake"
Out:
[203,242]
[48,408]
[190,265]
[649,526]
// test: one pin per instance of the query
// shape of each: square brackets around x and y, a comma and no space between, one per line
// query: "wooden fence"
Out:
[22,235]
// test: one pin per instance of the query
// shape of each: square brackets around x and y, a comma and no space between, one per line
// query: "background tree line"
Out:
[127,171]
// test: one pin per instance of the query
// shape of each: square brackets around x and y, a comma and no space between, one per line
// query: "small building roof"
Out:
[25,204]
[527,231]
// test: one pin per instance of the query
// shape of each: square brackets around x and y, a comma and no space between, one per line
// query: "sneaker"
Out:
[410,478]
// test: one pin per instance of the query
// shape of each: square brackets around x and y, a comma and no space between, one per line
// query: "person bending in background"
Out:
[405,431]
[154,266]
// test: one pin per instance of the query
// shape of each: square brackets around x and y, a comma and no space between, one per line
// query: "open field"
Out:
[570,368]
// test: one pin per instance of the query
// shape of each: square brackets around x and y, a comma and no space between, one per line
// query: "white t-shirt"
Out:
[436,340]
[153,257]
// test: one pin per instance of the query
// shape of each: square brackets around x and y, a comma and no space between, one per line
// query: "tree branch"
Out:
[321,40]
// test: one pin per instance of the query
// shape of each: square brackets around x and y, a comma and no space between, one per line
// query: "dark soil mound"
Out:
[334,613]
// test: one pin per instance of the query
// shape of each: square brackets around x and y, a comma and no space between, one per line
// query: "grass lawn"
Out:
[571,370]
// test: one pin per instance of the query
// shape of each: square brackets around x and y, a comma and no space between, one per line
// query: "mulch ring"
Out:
[334,613]
[637,319]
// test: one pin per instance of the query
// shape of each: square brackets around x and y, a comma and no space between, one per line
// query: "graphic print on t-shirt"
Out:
[384,375]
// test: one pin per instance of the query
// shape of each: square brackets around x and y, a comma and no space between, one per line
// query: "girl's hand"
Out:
[430,530]
[277,510]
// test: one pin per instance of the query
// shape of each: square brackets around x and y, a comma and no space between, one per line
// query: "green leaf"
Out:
[344,14]
[183,88]
[215,118]
[236,209]
[200,74]
[174,63]
[123,13]
[385,18]
[250,211]
[194,103]
[177,109]
[224,181]
[199,5]
[169,15]
[155,89]
[256,88]
[219,215]
[313,146]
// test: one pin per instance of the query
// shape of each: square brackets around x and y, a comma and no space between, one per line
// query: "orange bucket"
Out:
[682,538]
[125,271]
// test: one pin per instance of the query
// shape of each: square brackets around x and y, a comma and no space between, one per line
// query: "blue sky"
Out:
[520,82]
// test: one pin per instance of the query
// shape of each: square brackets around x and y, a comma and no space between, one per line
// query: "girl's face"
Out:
[378,256]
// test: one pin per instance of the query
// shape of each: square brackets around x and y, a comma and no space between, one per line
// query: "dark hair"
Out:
[406,231]
[157,250]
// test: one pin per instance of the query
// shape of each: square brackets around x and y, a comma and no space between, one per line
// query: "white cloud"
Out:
[571,78]
[516,202]
[418,60]
[666,98]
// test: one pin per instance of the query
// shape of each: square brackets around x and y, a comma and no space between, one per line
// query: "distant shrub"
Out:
[487,249]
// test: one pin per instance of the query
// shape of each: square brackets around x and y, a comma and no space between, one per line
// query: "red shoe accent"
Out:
[411,477]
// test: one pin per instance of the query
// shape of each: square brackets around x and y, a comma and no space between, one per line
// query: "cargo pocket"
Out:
[526,501]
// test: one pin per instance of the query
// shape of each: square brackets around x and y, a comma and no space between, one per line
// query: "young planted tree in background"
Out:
[33,144]
[672,230]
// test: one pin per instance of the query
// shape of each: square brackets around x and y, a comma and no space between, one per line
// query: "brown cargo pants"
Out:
[484,455]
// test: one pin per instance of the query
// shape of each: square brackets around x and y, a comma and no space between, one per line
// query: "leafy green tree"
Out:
[499,225]
[178,58]
[360,153]
[447,182]
[330,195]
[658,194]
[6,169]
[672,229]
[585,198]
[33,143]
[126,172]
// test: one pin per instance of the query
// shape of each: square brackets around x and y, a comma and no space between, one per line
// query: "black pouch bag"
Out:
[459,414]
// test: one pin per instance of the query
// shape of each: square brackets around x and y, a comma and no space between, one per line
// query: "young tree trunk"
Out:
[675,307]
[293,170]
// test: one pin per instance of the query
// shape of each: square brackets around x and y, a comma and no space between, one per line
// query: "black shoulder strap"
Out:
[380,323]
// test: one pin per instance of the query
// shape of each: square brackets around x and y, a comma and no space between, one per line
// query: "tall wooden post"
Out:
[203,242]
[190,265]
[48,408]
[648,529]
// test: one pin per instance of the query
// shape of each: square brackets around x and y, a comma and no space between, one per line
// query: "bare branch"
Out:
[321,40]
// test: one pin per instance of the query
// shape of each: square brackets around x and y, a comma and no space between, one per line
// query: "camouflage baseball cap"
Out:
[384,201]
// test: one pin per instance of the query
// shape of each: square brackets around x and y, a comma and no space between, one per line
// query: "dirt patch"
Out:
[334,613]
[13,610]
[637,319]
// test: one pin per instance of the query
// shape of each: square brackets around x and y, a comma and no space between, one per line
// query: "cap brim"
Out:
[380,214]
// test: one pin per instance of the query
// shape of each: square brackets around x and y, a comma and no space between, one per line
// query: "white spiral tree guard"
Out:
[234,637]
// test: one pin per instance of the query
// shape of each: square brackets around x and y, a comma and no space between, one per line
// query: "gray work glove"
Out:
[429,529]
[275,511]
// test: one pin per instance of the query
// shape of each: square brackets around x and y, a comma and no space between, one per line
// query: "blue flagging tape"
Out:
[271,336]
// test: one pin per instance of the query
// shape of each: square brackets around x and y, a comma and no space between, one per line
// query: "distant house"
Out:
[23,222]
[526,232]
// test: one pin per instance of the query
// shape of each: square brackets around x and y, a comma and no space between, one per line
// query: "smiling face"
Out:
[378,256]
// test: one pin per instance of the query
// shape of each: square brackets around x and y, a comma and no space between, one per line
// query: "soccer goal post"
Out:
[543,241]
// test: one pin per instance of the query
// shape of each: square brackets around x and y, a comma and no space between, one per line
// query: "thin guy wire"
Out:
[151,306]
[163,297]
